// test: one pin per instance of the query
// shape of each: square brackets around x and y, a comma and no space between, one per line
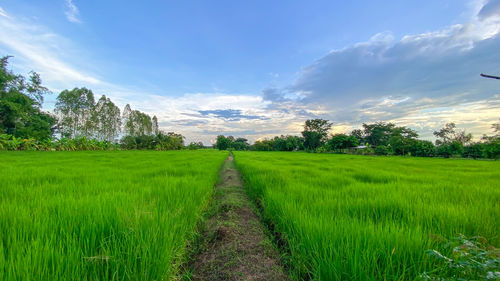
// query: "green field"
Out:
[348,217]
[117,215]
[128,215]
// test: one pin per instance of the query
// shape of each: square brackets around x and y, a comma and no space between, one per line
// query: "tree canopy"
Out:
[20,105]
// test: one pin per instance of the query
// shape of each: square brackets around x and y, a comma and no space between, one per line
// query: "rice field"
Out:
[347,217]
[114,215]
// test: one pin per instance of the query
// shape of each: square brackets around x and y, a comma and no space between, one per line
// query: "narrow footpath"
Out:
[234,244]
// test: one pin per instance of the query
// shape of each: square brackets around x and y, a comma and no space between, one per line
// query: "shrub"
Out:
[382,150]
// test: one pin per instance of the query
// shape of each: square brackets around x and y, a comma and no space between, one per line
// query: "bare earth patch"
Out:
[234,244]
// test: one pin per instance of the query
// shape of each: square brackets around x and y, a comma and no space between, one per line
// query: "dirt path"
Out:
[234,244]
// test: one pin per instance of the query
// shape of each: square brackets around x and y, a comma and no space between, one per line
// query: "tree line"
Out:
[81,123]
[78,122]
[379,138]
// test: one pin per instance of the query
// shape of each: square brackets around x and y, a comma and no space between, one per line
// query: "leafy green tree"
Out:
[358,134]
[449,134]
[75,110]
[107,119]
[240,144]
[315,133]
[378,133]
[156,130]
[263,145]
[422,148]
[286,143]
[383,150]
[341,141]
[20,105]
[142,123]
[136,123]
[402,139]
[223,143]
[128,125]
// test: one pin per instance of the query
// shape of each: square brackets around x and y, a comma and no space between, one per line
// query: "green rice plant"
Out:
[110,215]
[348,217]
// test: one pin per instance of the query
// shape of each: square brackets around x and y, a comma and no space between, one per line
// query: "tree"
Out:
[341,141]
[75,109]
[449,134]
[107,119]
[136,123]
[378,133]
[223,143]
[401,139]
[240,144]
[20,105]
[156,130]
[315,133]
[128,125]
[358,134]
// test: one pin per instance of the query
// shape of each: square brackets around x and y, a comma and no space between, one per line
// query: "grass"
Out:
[347,217]
[116,215]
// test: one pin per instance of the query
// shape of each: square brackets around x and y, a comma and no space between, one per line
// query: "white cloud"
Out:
[433,76]
[72,13]
[3,13]
[43,51]
[421,80]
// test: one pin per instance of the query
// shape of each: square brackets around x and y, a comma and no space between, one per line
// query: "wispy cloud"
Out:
[3,13]
[72,13]
[37,48]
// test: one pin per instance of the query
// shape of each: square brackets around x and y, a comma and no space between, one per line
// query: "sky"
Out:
[257,69]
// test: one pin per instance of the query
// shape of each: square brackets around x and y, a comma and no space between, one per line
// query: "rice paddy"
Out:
[346,217]
[129,215]
[116,215]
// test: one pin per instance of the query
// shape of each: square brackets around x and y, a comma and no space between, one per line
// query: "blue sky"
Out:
[261,68]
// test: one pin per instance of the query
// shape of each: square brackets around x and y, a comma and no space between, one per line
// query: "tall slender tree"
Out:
[107,119]
[75,109]
[156,130]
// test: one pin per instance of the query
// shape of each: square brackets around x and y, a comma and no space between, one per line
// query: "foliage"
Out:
[378,133]
[230,143]
[223,143]
[341,141]
[162,141]
[470,259]
[137,123]
[20,105]
[315,133]
[347,217]
[75,110]
[107,119]
[422,148]
[263,145]
[9,142]
[195,145]
[112,215]
[450,149]
[279,143]
[448,134]
[383,150]
[155,128]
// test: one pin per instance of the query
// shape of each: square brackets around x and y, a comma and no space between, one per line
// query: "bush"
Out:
[453,149]
[382,150]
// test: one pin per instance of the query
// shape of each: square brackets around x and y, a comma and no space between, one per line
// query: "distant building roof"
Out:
[360,147]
